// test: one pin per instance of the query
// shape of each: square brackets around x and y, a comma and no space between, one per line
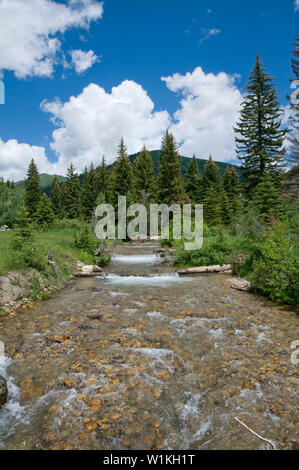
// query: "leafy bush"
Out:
[30,255]
[275,265]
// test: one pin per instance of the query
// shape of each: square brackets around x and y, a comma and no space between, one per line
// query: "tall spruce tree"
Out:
[170,179]
[71,195]
[259,136]
[123,175]
[231,186]
[193,181]
[89,192]
[104,181]
[267,199]
[144,175]
[32,186]
[293,137]
[44,214]
[56,196]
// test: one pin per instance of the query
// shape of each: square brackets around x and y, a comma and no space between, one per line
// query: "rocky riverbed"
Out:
[145,359]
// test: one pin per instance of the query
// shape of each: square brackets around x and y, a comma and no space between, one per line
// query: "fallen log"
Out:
[207,269]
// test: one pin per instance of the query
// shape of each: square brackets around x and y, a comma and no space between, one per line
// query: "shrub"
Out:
[275,265]
[85,240]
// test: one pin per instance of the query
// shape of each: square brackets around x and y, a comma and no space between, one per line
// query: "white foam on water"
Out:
[115,294]
[155,314]
[190,407]
[130,331]
[12,413]
[158,357]
[135,259]
[161,280]
[216,333]
[204,427]
[130,311]
[138,303]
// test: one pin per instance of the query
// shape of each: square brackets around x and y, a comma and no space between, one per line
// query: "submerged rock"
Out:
[3,391]
[240,284]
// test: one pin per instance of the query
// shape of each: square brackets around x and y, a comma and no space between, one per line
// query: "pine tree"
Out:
[71,194]
[170,179]
[267,199]
[193,182]
[231,186]
[89,192]
[45,214]
[104,181]
[293,137]
[123,174]
[212,205]
[32,186]
[211,176]
[144,175]
[259,137]
[23,233]
[56,196]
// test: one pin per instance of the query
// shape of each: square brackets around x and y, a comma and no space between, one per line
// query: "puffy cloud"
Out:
[83,60]
[209,110]
[15,158]
[28,32]
[91,124]
[296,5]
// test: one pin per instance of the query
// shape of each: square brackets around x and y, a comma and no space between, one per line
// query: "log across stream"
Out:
[146,359]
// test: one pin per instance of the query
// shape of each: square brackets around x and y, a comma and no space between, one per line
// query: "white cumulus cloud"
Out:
[296,5]
[15,158]
[30,32]
[209,109]
[91,124]
[83,60]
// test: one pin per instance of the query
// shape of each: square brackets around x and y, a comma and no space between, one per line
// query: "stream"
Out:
[145,359]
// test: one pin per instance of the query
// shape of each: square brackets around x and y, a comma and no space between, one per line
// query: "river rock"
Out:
[240,284]
[97,269]
[3,391]
[87,268]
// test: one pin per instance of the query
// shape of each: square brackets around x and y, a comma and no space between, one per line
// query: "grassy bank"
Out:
[52,265]
[267,255]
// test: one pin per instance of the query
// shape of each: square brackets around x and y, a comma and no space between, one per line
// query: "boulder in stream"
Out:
[3,391]
[239,284]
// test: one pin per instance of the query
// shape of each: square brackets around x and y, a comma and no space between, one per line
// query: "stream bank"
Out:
[145,359]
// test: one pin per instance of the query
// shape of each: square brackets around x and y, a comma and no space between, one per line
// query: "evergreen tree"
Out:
[193,181]
[71,194]
[123,174]
[293,137]
[144,175]
[267,199]
[211,176]
[104,182]
[231,186]
[259,137]
[24,229]
[212,205]
[89,192]
[32,187]
[170,179]
[56,196]
[45,214]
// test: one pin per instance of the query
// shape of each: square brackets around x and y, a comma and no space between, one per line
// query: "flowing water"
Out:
[145,359]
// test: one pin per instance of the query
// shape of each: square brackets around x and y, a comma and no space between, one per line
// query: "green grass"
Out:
[59,244]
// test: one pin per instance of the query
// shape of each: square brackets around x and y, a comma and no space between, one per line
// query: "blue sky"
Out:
[134,43]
